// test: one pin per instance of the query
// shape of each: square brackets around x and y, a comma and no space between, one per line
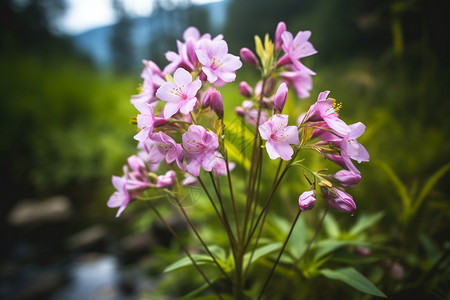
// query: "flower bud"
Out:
[347,178]
[213,98]
[307,200]
[280,98]
[278,32]
[190,49]
[249,57]
[270,85]
[240,111]
[362,251]
[339,200]
[166,179]
[136,163]
[245,89]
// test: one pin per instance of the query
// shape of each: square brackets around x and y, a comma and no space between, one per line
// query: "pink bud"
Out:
[213,98]
[166,179]
[249,57]
[240,111]
[136,163]
[339,200]
[307,200]
[245,89]
[191,47]
[362,251]
[270,85]
[280,98]
[278,32]
[347,178]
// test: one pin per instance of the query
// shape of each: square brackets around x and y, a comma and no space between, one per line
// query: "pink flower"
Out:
[350,146]
[160,146]
[250,114]
[189,179]
[323,110]
[347,178]
[307,200]
[166,179]
[301,81]
[220,168]
[180,94]
[339,199]
[200,146]
[121,198]
[145,120]
[281,28]
[137,179]
[218,65]
[213,99]
[245,89]
[297,48]
[249,57]
[279,136]
[153,78]
[280,98]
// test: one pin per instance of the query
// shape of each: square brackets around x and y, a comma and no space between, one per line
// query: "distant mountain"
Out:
[146,32]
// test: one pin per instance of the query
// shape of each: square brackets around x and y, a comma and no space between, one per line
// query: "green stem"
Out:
[184,249]
[202,241]
[279,255]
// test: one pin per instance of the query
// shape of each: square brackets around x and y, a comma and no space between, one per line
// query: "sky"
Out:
[82,15]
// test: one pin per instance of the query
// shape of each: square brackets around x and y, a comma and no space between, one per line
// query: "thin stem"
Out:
[279,255]
[184,249]
[224,215]
[201,240]
[295,264]
[233,203]
[194,120]
[266,204]
[211,200]
[319,226]
[251,198]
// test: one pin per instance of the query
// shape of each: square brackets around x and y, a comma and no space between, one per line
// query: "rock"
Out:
[42,286]
[28,212]
[88,239]
[133,247]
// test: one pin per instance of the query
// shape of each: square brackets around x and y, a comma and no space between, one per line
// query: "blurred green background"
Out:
[65,110]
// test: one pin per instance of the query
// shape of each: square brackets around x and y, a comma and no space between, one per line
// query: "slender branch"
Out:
[224,214]
[202,241]
[233,203]
[266,204]
[211,200]
[279,255]
[319,226]
[295,264]
[184,249]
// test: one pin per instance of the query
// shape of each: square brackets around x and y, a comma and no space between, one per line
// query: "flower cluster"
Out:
[200,60]
[171,102]
[182,129]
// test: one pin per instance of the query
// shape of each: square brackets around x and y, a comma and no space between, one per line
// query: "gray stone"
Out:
[29,211]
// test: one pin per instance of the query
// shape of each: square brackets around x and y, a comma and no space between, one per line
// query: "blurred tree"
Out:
[121,45]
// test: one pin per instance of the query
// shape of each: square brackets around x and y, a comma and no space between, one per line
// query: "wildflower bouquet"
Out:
[184,141]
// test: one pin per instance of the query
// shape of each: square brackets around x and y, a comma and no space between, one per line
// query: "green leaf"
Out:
[354,279]
[260,252]
[200,259]
[429,185]
[326,246]
[203,287]
[364,222]
[331,226]
[401,189]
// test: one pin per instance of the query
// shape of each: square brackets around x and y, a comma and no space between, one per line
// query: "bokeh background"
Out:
[66,77]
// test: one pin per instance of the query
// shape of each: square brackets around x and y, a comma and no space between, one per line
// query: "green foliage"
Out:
[69,124]
[354,279]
